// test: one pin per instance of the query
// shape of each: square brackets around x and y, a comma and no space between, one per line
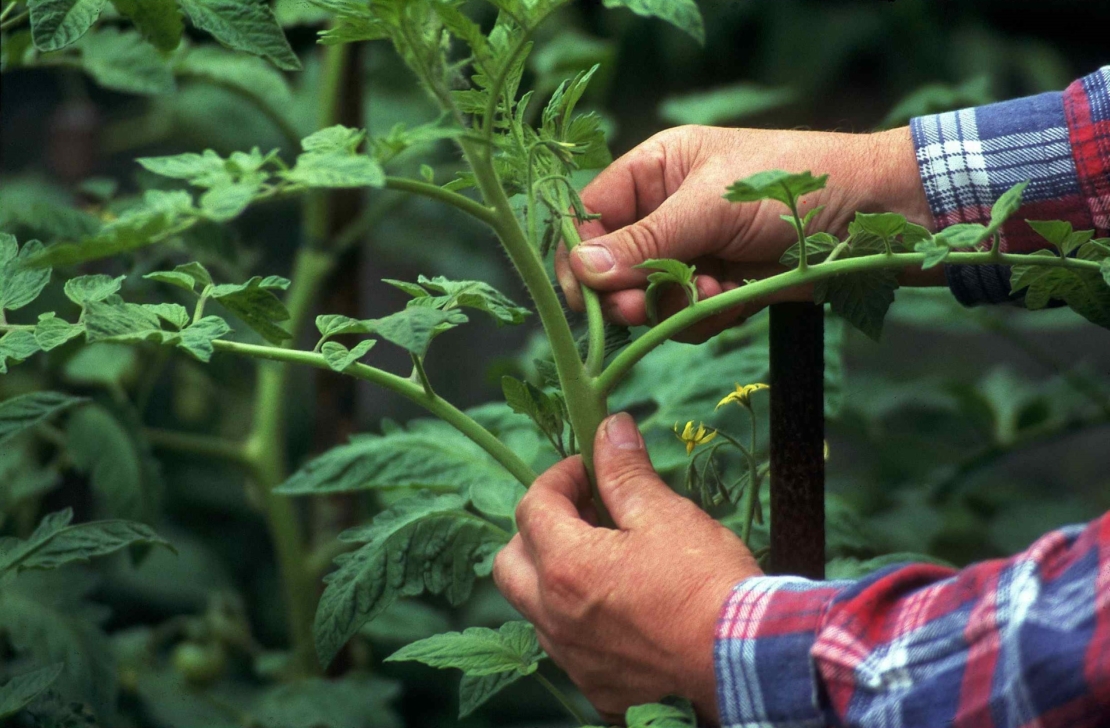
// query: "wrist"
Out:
[891,182]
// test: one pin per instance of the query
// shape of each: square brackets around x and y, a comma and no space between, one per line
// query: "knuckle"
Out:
[646,238]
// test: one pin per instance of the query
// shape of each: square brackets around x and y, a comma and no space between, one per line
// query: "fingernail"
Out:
[623,433]
[595,257]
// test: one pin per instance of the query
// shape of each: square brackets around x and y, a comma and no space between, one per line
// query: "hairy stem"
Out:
[412,391]
[475,209]
[562,698]
[666,330]
[585,404]
[595,356]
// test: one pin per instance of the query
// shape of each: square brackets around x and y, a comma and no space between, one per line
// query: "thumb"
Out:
[608,262]
[631,489]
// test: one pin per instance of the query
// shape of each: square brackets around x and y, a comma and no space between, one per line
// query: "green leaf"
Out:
[159,216]
[963,235]
[172,313]
[1061,234]
[671,713]
[17,346]
[935,98]
[22,689]
[1084,291]
[935,252]
[47,618]
[187,276]
[818,247]
[292,13]
[421,543]
[331,325]
[51,331]
[58,23]
[785,187]
[19,285]
[546,410]
[246,75]
[97,287]
[1104,266]
[203,170]
[406,621]
[354,700]
[491,659]
[340,358]
[102,365]
[721,105]
[123,61]
[683,14]
[1006,205]
[478,650]
[173,278]
[227,202]
[159,21]
[256,305]
[475,690]
[101,448]
[56,543]
[414,328]
[861,299]
[331,160]
[667,273]
[19,414]
[197,338]
[123,322]
[441,293]
[244,25]
[886,225]
[430,455]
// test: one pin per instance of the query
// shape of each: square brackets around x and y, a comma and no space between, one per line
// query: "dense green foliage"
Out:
[125,334]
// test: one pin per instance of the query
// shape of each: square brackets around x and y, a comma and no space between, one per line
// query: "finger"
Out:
[680,228]
[516,578]
[548,516]
[631,187]
[632,491]
[572,290]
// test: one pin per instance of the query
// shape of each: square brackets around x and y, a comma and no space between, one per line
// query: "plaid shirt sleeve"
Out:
[1060,142]
[1012,643]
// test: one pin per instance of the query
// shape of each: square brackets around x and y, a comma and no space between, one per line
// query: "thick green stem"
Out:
[562,698]
[595,357]
[202,445]
[586,405]
[265,450]
[666,330]
[475,209]
[412,391]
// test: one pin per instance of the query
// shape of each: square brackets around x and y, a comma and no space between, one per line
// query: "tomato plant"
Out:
[443,488]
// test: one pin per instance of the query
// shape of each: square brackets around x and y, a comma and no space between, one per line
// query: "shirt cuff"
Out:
[766,675]
[969,158]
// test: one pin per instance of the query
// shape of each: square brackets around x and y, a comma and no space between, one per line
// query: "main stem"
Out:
[265,446]
[586,404]
[265,451]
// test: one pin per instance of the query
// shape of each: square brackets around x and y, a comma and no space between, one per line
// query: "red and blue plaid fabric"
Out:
[1012,643]
[1059,142]
[1015,643]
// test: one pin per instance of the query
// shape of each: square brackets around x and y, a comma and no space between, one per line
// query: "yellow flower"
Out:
[693,437]
[742,395]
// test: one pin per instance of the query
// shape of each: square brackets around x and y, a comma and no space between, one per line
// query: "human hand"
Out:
[630,614]
[664,199]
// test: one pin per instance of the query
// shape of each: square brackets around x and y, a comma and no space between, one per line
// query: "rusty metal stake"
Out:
[797,440]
